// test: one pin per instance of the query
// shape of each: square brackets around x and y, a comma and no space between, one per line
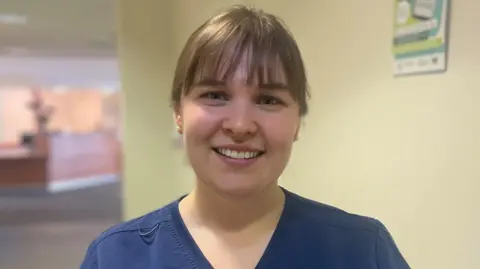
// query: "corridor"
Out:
[52,231]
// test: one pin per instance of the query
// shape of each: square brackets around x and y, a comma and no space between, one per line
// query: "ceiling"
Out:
[51,28]
[58,42]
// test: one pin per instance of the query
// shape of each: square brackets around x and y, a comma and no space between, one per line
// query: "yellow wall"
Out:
[146,70]
[404,150]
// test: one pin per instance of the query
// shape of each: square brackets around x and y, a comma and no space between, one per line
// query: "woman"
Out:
[239,94]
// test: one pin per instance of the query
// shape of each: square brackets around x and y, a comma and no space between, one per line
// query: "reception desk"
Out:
[20,167]
[83,155]
[61,158]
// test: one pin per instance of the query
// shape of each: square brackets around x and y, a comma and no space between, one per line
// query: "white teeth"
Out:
[238,154]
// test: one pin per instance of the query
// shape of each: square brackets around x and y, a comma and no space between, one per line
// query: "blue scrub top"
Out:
[309,235]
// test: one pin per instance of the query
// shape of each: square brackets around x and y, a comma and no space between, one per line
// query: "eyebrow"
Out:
[262,86]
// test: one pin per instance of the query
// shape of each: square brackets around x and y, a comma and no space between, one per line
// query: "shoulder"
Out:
[361,236]
[136,234]
[330,216]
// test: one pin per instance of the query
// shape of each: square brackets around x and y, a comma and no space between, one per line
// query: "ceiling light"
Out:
[13,19]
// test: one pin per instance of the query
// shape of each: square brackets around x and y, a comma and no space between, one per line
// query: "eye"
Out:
[215,96]
[269,100]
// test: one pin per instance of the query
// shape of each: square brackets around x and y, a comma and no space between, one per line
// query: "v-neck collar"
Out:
[199,259]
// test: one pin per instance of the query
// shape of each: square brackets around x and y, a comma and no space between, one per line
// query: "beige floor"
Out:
[53,231]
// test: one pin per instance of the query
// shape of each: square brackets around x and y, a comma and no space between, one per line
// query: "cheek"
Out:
[198,124]
[280,131]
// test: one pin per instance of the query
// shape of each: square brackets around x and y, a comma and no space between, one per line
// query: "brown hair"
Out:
[216,47]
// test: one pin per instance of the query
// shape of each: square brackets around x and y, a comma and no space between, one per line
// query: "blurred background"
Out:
[60,139]
[86,133]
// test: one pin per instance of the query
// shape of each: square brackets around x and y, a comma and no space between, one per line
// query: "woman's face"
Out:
[239,136]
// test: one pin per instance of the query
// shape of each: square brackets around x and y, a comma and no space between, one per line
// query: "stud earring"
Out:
[179,129]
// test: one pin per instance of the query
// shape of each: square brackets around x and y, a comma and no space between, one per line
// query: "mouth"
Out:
[238,155]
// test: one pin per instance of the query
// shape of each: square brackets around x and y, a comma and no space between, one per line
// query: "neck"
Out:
[207,207]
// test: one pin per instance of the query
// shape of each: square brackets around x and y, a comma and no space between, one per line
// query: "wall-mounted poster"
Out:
[420,36]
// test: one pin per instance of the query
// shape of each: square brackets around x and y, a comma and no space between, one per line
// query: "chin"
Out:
[237,187]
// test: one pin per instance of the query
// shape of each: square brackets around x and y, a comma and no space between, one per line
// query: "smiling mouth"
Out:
[239,155]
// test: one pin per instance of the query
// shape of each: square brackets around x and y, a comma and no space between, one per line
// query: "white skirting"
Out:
[81,183]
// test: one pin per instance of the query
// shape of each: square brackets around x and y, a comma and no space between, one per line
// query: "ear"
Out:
[297,132]
[178,120]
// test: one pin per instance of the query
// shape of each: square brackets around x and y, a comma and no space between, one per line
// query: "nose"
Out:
[239,122]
